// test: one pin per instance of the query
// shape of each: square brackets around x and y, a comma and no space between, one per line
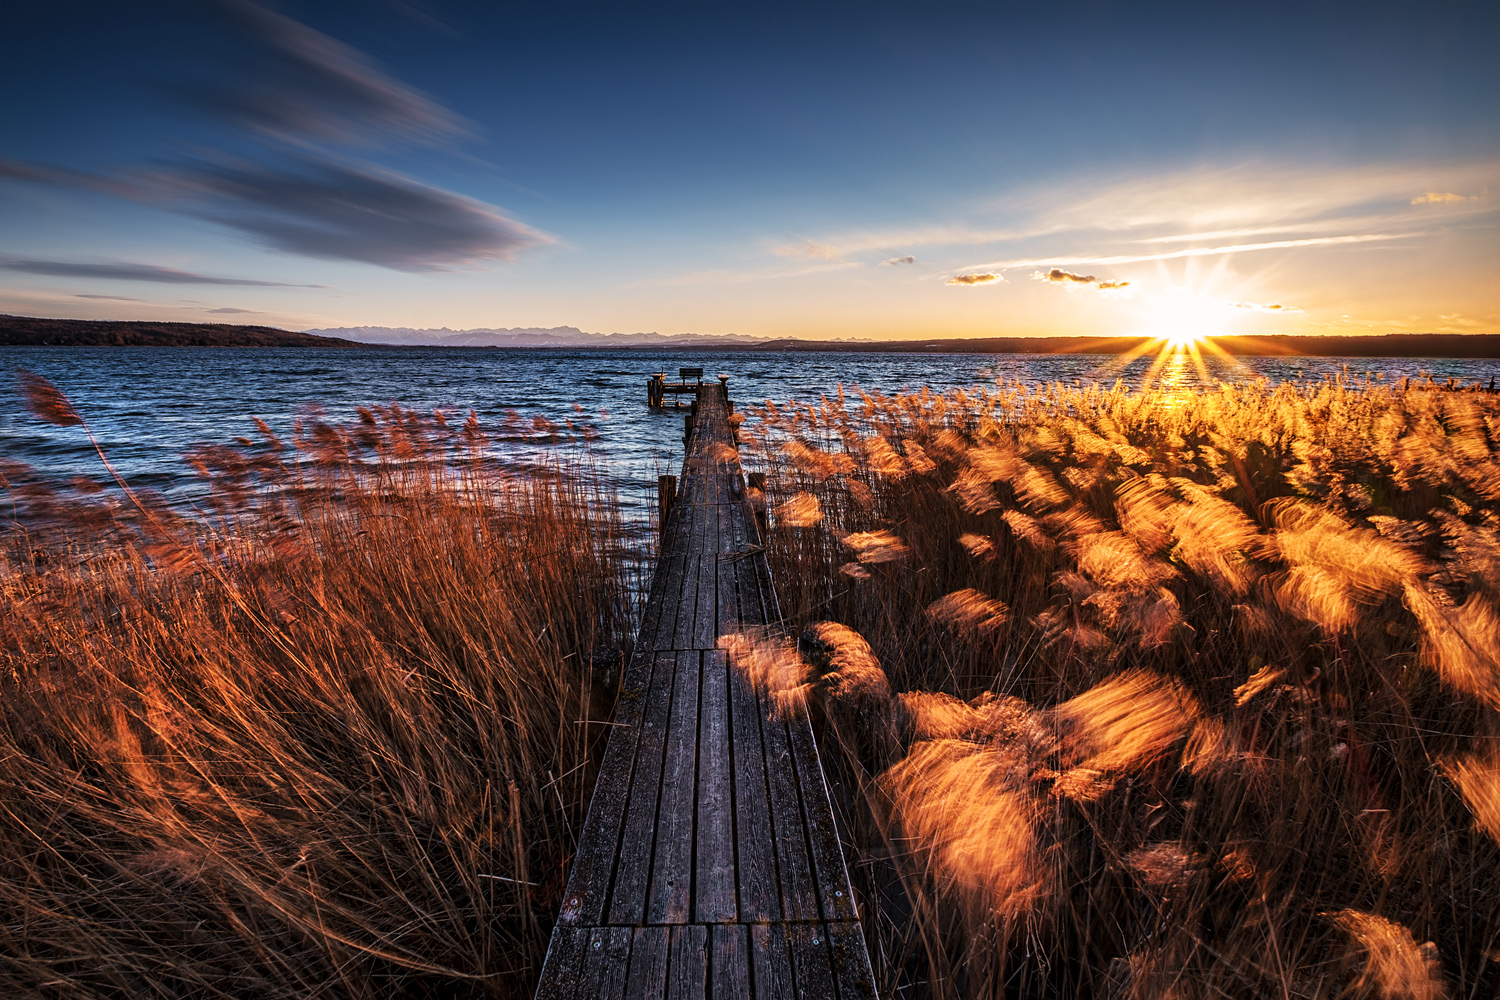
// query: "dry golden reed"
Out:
[332,735]
[1158,694]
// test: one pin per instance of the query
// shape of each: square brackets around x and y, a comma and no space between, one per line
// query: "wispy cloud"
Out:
[300,83]
[808,248]
[110,298]
[1443,198]
[1267,307]
[230,309]
[1242,207]
[1004,265]
[1284,229]
[862,241]
[338,212]
[305,92]
[132,272]
[725,276]
[1247,195]
[908,259]
[974,279]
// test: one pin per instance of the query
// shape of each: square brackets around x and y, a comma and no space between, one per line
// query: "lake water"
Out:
[150,405]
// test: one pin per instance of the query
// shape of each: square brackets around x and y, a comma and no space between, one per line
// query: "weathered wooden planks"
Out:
[709,864]
[715,899]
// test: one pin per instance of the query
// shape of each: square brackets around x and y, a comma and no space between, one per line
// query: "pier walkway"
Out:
[709,865]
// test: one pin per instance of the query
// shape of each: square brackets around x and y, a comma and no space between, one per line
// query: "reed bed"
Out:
[1153,694]
[331,735]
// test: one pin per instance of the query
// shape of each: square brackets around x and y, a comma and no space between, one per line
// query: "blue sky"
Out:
[830,170]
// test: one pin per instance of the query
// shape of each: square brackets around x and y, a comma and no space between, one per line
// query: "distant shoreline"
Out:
[1395,345]
[22,331]
[26,331]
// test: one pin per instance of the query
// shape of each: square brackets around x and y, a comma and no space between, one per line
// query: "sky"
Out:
[816,170]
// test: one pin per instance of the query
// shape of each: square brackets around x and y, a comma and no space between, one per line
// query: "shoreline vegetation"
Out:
[1120,695]
[19,331]
[1154,695]
[25,331]
[335,734]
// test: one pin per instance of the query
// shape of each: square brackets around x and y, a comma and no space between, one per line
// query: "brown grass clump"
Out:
[1391,965]
[1189,695]
[327,737]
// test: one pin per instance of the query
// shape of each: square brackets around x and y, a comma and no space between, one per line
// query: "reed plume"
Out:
[1190,695]
[331,734]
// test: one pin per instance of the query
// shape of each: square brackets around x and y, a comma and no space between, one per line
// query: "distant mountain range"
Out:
[26,330]
[556,336]
[1408,345]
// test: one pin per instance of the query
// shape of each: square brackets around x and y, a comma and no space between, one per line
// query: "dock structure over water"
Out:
[691,384]
[709,865]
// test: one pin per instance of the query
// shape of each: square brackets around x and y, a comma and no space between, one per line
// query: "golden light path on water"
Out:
[1178,359]
[1177,325]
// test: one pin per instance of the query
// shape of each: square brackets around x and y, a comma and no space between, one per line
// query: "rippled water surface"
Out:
[149,405]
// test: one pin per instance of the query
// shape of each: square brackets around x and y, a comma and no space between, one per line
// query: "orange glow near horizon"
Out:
[1178,326]
[1181,318]
[1182,339]
[1177,329]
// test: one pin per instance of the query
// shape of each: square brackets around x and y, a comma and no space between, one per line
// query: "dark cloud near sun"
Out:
[1068,279]
[908,259]
[983,278]
[298,97]
[298,82]
[1062,277]
[131,272]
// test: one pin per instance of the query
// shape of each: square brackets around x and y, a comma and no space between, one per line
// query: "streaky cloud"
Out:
[110,298]
[41,173]
[318,206]
[721,276]
[1004,265]
[132,272]
[908,259]
[290,193]
[983,278]
[334,211]
[1267,307]
[1442,198]
[231,309]
[1245,197]
[301,83]
[808,248]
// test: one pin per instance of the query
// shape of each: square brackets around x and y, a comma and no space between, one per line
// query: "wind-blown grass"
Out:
[329,737]
[1142,694]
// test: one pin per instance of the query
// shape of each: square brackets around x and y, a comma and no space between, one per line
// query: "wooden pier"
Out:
[709,866]
[658,388]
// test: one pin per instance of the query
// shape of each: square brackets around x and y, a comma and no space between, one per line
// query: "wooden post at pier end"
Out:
[666,496]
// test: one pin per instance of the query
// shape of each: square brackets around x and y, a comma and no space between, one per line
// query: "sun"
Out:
[1181,320]
[1179,340]
[1177,328]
